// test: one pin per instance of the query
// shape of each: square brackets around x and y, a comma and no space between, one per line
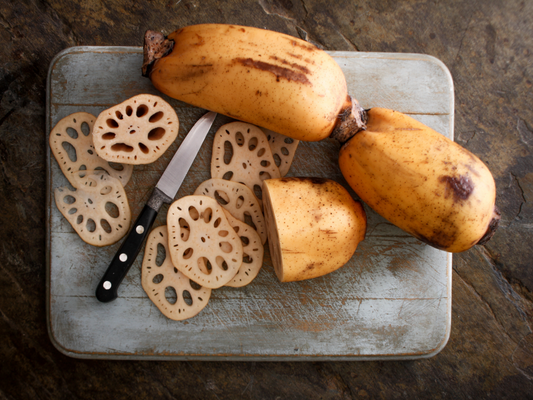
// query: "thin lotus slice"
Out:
[71,142]
[253,251]
[283,149]
[98,210]
[238,199]
[137,131]
[175,295]
[241,153]
[202,243]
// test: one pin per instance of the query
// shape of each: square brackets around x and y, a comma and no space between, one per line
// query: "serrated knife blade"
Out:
[164,192]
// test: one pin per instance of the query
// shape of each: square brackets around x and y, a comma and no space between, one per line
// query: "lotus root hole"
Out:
[156,117]
[222,263]
[194,214]
[217,222]
[188,253]
[265,163]
[73,133]
[106,190]
[71,151]
[119,115]
[228,152]
[226,247]
[205,265]
[161,255]
[194,285]
[247,259]
[249,221]
[90,225]
[264,175]
[171,295]
[221,197]
[207,215]
[85,128]
[239,202]
[245,241]
[157,279]
[258,191]
[105,225]
[277,159]
[239,139]
[284,151]
[252,144]
[72,211]
[129,111]
[69,199]
[228,175]
[187,297]
[112,123]
[261,152]
[79,220]
[144,148]
[112,209]
[244,165]
[116,166]
[156,133]
[142,110]
[108,136]
[122,147]
[223,233]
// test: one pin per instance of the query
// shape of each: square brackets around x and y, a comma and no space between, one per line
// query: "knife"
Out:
[164,192]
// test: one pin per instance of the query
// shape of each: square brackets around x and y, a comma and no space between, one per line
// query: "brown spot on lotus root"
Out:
[460,187]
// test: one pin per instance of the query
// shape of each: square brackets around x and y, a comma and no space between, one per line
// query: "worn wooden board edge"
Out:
[249,357]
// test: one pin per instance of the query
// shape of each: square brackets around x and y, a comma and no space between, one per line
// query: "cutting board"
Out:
[392,300]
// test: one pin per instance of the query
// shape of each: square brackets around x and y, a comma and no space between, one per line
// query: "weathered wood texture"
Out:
[487,47]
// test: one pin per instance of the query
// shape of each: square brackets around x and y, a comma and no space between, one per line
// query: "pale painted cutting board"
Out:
[391,301]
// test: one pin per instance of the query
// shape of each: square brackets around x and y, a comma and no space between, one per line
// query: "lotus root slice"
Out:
[202,243]
[174,294]
[71,142]
[238,199]
[98,210]
[253,251]
[283,149]
[241,153]
[137,131]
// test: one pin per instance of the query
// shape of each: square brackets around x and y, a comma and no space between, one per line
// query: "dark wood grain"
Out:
[487,45]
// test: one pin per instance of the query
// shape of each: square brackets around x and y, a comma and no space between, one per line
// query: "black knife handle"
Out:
[126,255]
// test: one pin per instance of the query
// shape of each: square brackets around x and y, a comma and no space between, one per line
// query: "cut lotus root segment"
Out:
[137,131]
[174,294]
[283,149]
[241,153]
[98,210]
[202,243]
[71,142]
[253,251]
[238,199]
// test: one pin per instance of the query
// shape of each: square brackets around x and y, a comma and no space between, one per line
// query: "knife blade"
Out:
[164,192]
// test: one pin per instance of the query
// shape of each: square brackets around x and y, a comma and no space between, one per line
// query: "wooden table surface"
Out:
[487,46]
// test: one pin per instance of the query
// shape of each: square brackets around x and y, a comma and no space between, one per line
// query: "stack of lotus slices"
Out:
[213,238]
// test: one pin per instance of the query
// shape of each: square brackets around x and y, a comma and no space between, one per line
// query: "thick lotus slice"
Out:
[137,131]
[98,210]
[202,243]
[253,251]
[238,199]
[283,149]
[176,296]
[71,142]
[241,153]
